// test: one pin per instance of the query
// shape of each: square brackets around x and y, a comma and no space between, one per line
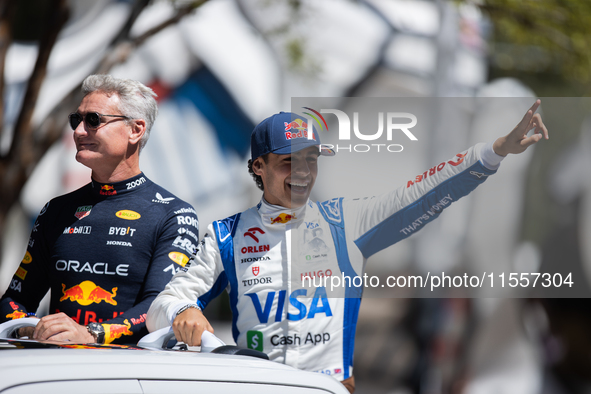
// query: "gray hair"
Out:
[136,100]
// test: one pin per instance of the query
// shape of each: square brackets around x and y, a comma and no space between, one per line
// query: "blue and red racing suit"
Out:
[105,251]
[260,256]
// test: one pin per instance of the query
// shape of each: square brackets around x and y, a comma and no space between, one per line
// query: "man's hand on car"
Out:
[61,327]
[189,326]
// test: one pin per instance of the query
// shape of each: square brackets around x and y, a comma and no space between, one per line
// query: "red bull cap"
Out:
[284,133]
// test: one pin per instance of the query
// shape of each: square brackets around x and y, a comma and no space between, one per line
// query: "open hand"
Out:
[517,140]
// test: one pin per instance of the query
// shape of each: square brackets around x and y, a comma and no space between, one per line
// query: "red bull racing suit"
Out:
[262,255]
[105,251]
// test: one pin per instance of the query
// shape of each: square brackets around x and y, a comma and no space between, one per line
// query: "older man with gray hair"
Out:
[107,249]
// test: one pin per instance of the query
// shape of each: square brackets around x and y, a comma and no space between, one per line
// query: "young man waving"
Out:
[260,255]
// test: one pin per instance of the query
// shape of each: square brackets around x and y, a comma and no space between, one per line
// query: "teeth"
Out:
[298,184]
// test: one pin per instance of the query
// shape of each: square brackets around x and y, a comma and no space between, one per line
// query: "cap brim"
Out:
[296,147]
[324,151]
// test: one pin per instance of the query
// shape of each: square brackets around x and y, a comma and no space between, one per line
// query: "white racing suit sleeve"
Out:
[378,222]
[201,280]
[489,158]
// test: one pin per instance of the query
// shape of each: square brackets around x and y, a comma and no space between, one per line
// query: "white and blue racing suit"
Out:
[261,255]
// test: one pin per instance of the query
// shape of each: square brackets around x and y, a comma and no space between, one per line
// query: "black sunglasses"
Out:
[92,120]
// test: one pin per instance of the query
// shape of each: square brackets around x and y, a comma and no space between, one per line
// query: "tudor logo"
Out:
[128,215]
[255,270]
[252,231]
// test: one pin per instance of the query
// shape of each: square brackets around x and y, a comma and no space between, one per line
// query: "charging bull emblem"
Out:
[283,218]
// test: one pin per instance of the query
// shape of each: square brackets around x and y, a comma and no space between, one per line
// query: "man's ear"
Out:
[257,166]
[138,128]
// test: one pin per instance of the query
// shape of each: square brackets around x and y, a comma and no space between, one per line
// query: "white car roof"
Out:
[26,366]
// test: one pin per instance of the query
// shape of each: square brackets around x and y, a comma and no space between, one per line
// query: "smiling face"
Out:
[112,149]
[288,179]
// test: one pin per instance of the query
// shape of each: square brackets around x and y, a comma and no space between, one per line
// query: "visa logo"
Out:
[319,305]
[311,225]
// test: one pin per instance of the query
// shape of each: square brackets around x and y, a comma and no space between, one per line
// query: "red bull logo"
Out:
[115,331]
[80,346]
[297,129]
[16,315]
[108,190]
[87,293]
[99,346]
[283,218]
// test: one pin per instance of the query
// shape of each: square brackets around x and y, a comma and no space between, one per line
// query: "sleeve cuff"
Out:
[489,158]
[175,308]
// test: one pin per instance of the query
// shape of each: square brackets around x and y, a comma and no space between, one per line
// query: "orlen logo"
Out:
[254,249]
[395,121]
[252,231]
[435,169]
[128,215]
